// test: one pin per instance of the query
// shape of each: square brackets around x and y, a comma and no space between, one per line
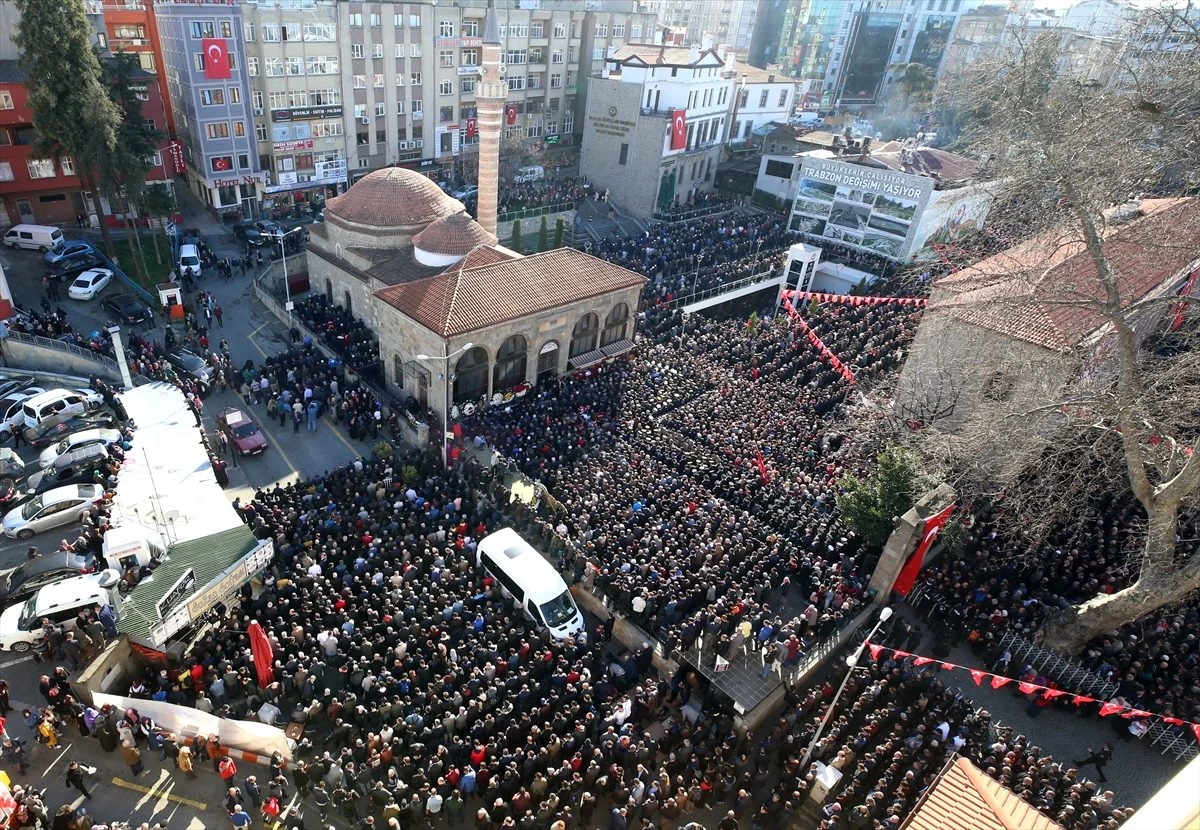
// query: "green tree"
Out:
[870,506]
[157,201]
[516,236]
[72,111]
[560,228]
[543,236]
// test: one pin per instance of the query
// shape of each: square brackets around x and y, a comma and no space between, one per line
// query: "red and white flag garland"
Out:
[818,344]
[847,299]
[998,681]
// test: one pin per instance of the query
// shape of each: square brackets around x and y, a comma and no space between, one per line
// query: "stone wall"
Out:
[611,105]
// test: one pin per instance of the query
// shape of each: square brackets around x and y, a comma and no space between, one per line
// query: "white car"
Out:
[90,283]
[12,412]
[76,441]
[59,506]
[465,192]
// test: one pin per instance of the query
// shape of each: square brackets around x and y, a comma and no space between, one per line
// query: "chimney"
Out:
[771,79]
[693,54]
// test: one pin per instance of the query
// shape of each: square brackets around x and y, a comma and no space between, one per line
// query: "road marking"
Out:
[14,662]
[159,791]
[254,342]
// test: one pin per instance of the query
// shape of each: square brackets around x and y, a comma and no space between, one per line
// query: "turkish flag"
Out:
[679,129]
[511,114]
[470,128]
[908,574]
[216,59]
[222,163]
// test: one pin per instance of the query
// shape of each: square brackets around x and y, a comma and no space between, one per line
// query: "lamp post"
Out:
[280,236]
[885,614]
[445,358]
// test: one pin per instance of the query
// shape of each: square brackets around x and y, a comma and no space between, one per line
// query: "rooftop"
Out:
[473,297]
[966,799]
[393,197]
[653,54]
[754,75]
[454,235]
[1045,291]
[923,161]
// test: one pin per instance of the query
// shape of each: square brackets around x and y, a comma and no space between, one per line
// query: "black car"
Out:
[74,265]
[250,235]
[191,366]
[67,249]
[269,228]
[44,435]
[14,383]
[127,308]
[24,580]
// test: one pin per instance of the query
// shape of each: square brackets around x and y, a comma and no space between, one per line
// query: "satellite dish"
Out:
[109,578]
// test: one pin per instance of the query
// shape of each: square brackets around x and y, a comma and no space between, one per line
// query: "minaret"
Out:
[490,96]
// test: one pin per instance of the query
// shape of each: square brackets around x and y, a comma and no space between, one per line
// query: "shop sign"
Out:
[446,42]
[248,179]
[333,170]
[470,42]
[299,144]
[469,69]
[315,181]
[307,113]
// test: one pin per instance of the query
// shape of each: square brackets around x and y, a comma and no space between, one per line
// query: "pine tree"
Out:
[543,236]
[516,236]
[560,228]
[72,110]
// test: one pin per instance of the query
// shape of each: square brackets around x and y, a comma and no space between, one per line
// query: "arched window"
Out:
[615,325]
[583,338]
[547,361]
[471,375]
[349,302]
[510,363]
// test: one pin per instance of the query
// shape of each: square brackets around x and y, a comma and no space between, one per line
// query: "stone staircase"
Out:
[596,221]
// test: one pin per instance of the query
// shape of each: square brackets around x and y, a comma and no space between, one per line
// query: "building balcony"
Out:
[539,66]
[536,90]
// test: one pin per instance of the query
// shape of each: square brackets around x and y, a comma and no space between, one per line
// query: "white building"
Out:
[763,98]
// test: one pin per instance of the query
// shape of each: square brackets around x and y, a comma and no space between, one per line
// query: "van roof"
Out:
[50,395]
[73,589]
[524,564]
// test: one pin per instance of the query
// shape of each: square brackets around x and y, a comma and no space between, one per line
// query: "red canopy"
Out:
[264,655]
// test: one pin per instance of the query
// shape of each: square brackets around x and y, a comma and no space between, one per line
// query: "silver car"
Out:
[77,441]
[59,506]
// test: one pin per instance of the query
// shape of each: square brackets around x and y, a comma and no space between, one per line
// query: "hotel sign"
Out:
[307,113]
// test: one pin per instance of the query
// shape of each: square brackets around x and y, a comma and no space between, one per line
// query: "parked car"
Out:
[70,267]
[127,308]
[59,404]
[12,468]
[60,506]
[11,415]
[40,437]
[14,383]
[67,249]
[192,366]
[189,261]
[90,283]
[468,192]
[26,579]
[73,442]
[242,432]
[191,236]
[67,469]
[269,228]
[248,234]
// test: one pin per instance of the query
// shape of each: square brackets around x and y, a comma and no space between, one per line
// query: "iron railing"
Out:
[60,346]
[704,294]
[535,212]
[1066,671]
[673,217]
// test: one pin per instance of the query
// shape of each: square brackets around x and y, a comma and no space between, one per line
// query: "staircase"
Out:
[596,221]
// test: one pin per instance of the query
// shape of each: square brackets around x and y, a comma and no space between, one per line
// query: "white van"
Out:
[189,261]
[33,237]
[531,581]
[529,174]
[59,403]
[21,624]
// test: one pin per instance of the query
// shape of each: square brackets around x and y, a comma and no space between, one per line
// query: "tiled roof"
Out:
[475,297]
[754,75]
[924,161]
[392,198]
[965,798]
[390,266]
[454,235]
[658,55]
[12,73]
[1045,291]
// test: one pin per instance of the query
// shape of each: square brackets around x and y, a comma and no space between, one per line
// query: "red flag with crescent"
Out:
[511,114]
[470,128]
[679,129]
[216,59]
[908,574]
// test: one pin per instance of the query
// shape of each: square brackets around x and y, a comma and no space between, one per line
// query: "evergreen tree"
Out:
[543,236]
[560,228]
[72,111]
[516,236]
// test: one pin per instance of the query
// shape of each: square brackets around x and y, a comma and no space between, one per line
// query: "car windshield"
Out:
[244,429]
[28,614]
[191,362]
[559,611]
[189,260]
[14,577]
[31,507]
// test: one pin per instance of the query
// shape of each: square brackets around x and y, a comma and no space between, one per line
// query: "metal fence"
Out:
[1066,671]
[69,348]
[695,213]
[534,212]
[762,276]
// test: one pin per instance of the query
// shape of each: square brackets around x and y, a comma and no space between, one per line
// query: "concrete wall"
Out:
[42,358]
[109,673]
[905,538]
[532,224]
[624,632]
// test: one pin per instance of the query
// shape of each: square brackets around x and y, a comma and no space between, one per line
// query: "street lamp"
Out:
[885,614]
[280,236]
[445,358]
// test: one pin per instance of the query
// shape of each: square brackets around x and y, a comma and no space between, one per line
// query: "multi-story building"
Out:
[710,22]
[130,26]
[205,61]
[761,98]
[50,191]
[656,119]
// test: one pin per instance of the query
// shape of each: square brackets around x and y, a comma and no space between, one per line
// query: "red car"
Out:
[242,432]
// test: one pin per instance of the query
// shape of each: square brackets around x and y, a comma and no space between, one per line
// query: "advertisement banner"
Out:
[307,113]
[302,144]
[951,216]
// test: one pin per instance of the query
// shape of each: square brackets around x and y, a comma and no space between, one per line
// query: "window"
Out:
[615,325]
[248,32]
[274,67]
[415,79]
[324,97]
[470,28]
[226,29]
[278,100]
[445,115]
[326,129]
[129,32]
[551,128]
[535,81]
[377,51]
[535,131]
[377,80]
[560,29]
[515,57]
[762,99]
[239,129]
[570,81]
[556,81]
[537,56]
[446,88]
[294,66]
[398,20]
[298,97]
[783,93]
[623,158]
[469,57]
[568,122]
[414,21]
[217,129]
[537,29]
[418,110]
[5,138]
[40,168]
[511,360]
[583,338]
[360,111]
[356,51]
[515,83]
[212,97]
[68,165]
[743,98]
[356,19]
[445,28]
[598,53]
[320,32]
[360,81]
[635,31]
[270,33]
[779,169]
[619,30]
[252,66]
[573,54]
[260,132]
[243,161]
[380,109]
[322,65]
[601,30]
[203,28]
[376,21]
[446,57]
[471,376]
[519,30]
[400,107]
[414,50]
[198,61]
[304,161]
[466,86]
[291,32]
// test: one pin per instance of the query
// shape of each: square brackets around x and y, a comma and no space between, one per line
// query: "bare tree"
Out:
[1068,153]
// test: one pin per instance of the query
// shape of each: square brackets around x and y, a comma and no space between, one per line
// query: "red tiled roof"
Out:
[454,235]
[473,297]
[391,198]
[924,161]
[965,798]
[1045,291]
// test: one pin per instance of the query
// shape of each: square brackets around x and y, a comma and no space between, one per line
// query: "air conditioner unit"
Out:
[403,145]
[366,120]
[258,111]
[420,143]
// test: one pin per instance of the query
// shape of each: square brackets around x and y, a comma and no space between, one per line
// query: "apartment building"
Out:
[130,26]
[762,98]
[709,22]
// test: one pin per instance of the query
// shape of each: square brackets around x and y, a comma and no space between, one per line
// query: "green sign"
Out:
[551,139]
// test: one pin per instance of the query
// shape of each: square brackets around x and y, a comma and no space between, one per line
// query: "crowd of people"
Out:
[344,334]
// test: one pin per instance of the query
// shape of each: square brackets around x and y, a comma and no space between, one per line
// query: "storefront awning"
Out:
[619,347]
[586,359]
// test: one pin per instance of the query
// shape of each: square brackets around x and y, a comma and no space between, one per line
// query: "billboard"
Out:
[951,217]
[863,207]
[869,56]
